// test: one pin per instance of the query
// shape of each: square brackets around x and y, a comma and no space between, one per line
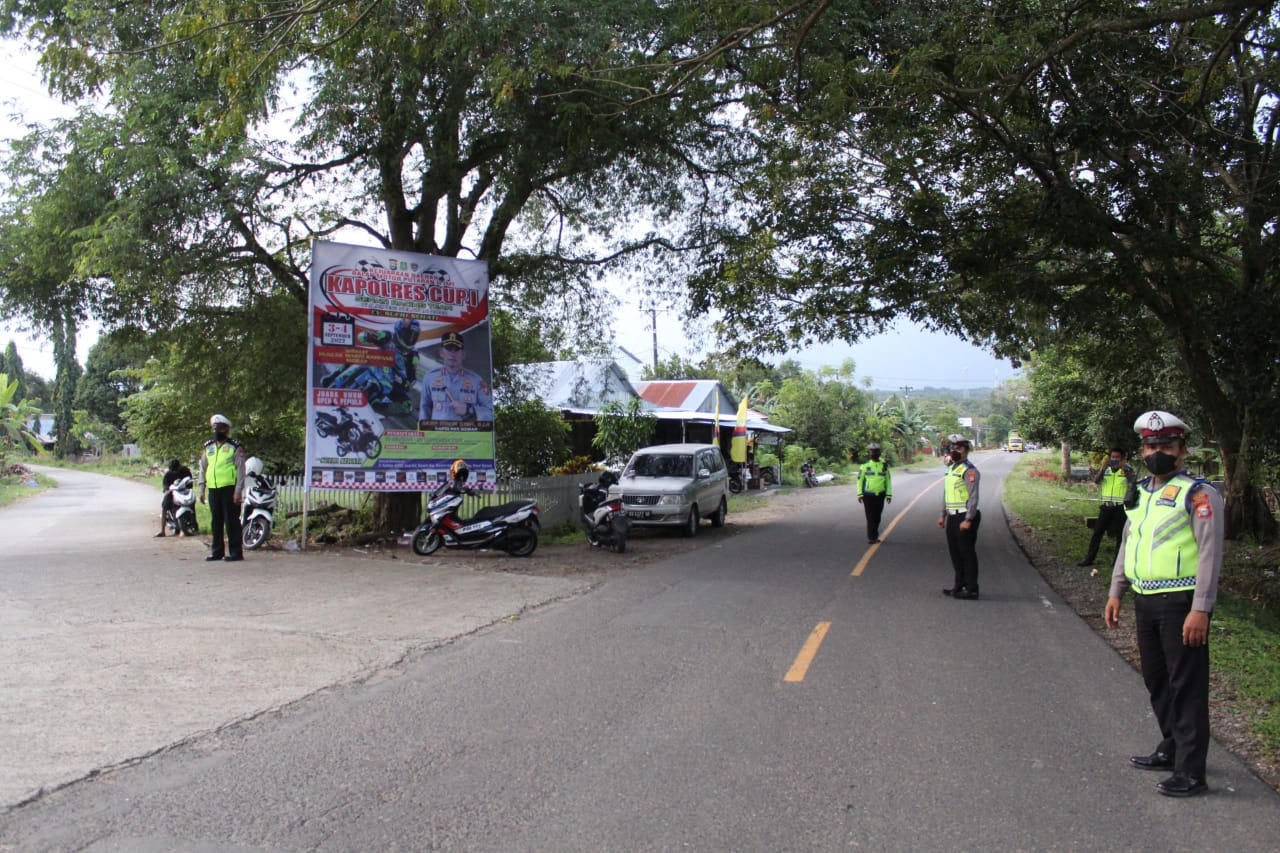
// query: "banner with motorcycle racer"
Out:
[399,383]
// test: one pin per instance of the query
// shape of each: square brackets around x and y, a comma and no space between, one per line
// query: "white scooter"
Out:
[257,506]
[182,517]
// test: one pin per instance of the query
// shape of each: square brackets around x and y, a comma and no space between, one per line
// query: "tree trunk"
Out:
[1246,507]
[1066,462]
[396,512]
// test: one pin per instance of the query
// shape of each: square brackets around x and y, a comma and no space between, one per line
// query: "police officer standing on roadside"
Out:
[875,489]
[960,518]
[1171,556]
[222,473]
[451,392]
[1114,481]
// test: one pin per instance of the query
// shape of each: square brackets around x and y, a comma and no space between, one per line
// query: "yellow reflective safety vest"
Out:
[1161,553]
[1115,485]
[873,479]
[956,490]
[220,463]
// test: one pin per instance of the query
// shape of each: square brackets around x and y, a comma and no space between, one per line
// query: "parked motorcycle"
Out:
[738,479]
[182,517]
[602,517]
[810,477]
[257,507]
[512,527]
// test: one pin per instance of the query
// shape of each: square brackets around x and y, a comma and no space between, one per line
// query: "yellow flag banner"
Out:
[738,447]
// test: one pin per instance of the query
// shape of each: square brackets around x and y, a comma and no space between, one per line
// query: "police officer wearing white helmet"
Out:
[222,476]
[1171,556]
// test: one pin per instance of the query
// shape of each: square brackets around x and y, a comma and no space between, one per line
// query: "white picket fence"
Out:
[557,497]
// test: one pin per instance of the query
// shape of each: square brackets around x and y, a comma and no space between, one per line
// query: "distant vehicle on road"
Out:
[675,485]
[1014,443]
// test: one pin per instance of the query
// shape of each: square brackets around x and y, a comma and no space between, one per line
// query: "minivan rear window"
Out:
[663,465]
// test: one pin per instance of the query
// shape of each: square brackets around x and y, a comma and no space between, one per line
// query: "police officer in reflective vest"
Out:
[960,518]
[875,489]
[1171,556]
[1114,481]
[222,474]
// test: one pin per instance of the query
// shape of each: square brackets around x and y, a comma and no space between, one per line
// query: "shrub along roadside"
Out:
[1048,517]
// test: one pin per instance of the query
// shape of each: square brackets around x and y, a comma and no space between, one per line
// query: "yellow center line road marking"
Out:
[866,558]
[807,653]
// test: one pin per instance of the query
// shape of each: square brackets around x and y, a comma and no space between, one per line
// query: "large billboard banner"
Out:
[400,377]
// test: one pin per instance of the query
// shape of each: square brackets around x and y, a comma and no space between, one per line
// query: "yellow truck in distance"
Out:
[1014,443]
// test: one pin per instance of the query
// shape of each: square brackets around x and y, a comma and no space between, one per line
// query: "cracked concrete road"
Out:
[115,645]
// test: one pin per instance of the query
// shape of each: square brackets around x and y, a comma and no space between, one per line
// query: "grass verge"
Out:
[14,488]
[1048,517]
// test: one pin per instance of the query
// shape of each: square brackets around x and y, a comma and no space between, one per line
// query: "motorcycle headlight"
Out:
[672,499]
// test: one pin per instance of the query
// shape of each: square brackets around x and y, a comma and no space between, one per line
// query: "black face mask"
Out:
[1161,464]
[220,434]
[955,458]
[875,455]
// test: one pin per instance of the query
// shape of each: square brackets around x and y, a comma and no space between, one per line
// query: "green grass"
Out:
[13,489]
[745,503]
[1245,639]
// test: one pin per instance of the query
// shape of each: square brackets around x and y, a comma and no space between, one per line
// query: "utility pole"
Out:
[906,391]
[653,320]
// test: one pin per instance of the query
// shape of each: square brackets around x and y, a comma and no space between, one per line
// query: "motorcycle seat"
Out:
[489,512]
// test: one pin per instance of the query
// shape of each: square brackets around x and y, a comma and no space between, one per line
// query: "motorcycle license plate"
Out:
[638,513]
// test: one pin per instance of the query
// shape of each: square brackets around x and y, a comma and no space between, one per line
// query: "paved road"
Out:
[654,713]
[114,645]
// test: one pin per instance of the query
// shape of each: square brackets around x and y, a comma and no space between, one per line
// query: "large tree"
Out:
[514,132]
[1024,172]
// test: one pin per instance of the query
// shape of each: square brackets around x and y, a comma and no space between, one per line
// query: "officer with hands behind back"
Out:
[960,518]
[1171,556]
[222,472]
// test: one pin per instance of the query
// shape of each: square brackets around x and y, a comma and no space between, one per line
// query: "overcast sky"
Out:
[907,355]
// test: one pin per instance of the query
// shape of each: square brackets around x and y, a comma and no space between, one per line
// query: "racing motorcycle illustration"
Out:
[512,527]
[360,439]
[257,508]
[381,385]
[602,517]
[182,517]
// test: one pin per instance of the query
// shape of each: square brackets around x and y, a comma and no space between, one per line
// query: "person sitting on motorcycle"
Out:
[175,473]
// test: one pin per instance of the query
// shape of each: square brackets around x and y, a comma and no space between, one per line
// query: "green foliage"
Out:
[14,415]
[675,367]
[622,429]
[106,382]
[825,408]
[11,366]
[531,439]
[224,363]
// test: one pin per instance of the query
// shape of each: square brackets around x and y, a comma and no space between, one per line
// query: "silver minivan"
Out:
[675,485]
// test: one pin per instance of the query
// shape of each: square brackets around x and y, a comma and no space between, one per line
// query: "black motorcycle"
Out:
[342,423]
[512,527]
[364,441]
[602,517]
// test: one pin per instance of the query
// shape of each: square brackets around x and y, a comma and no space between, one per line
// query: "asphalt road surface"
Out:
[778,690]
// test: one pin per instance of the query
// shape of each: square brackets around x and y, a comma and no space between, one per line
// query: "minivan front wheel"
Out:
[691,523]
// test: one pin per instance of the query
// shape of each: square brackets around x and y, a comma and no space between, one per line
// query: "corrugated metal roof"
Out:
[694,395]
[588,384]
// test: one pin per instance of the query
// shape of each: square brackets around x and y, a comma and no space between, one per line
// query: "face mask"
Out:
[1115,466]
[875,454]
[955,458]
[220,434]
[1161,464]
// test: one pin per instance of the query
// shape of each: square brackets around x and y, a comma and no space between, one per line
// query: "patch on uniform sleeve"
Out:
[1201,505]
[972,476]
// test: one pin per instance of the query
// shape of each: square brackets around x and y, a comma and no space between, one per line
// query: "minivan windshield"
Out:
[663,465]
